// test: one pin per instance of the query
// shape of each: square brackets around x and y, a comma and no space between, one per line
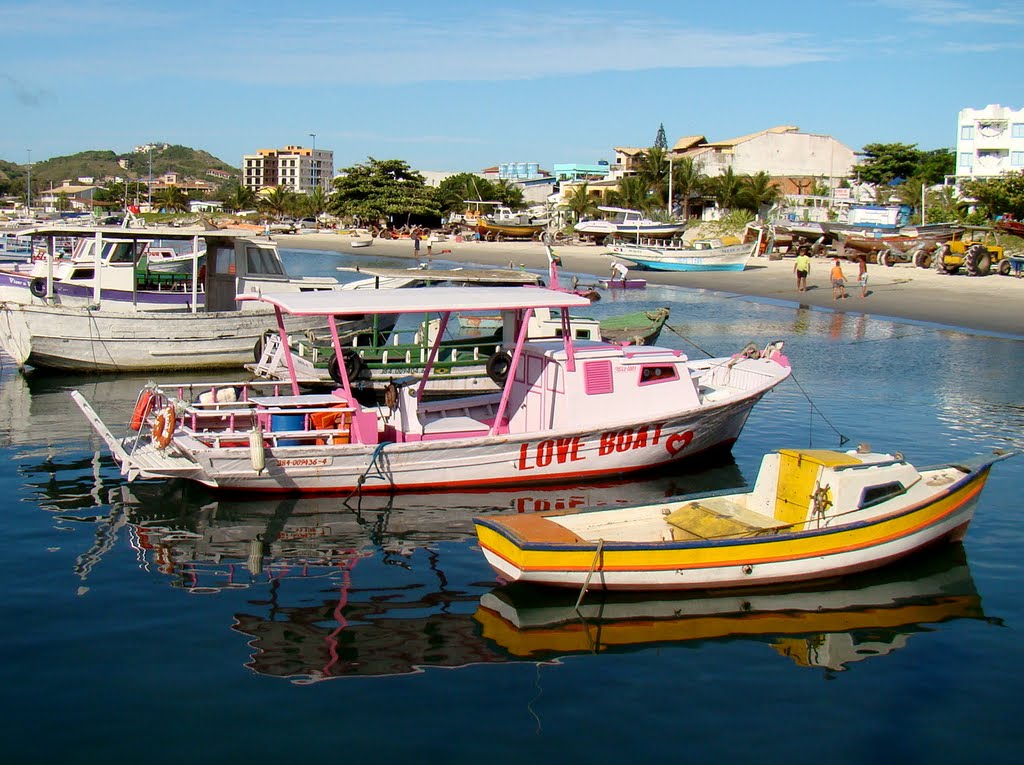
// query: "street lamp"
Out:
[312,162]
[669,185]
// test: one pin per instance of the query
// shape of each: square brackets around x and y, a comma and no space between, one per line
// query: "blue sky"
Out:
[462,86]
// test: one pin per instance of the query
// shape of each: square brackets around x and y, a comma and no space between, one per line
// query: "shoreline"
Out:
[991,304]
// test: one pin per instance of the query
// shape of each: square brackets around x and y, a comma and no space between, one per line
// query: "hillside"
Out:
[99,164]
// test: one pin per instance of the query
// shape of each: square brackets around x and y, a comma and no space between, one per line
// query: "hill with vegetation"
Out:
[98,164]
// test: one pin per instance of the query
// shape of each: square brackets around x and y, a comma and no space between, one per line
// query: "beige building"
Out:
[293,167]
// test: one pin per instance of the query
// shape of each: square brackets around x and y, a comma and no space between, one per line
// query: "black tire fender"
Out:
[354,366]
[38,287]
[498,366]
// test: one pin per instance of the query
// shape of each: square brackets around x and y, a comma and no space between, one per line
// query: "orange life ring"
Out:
[142,408]
[163,428]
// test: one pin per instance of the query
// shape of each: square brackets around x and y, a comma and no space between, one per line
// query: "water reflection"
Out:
[830,626]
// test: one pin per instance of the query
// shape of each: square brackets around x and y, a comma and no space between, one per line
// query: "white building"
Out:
[294,167]
[782,152]
[989,142]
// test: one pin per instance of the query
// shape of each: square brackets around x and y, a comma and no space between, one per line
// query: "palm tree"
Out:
[278,202]
[509,193]
[580,203]
[726,189]
[634,193]
[172,199]
[687,182]
[758,190]
[653,170]
[241,198]
[315,202]
[909,193]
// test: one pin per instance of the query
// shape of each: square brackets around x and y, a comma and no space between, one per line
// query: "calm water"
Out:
[158,622]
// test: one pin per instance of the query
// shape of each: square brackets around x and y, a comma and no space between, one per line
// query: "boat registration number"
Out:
[306,462]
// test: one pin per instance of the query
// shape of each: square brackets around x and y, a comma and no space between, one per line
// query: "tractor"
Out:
[977,253]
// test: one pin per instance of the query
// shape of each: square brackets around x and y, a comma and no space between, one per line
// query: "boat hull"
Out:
[551,456]
[728,258]
[750,561]
[56,337]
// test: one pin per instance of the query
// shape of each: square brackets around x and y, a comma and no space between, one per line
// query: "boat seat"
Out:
[716,517]
[455,425]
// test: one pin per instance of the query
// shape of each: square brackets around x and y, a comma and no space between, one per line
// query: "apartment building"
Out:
[297,168]
[989,142]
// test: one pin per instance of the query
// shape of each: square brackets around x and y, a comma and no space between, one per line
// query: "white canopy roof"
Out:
[423,300]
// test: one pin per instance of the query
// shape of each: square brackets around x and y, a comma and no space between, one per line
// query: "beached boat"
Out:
[626,223]
[497,230]
[811,514]
[567,410]
[91,312]
[700,255]
[160,259]
[831,625]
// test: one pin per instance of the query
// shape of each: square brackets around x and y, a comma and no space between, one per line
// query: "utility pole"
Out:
[28,184]
[149,183]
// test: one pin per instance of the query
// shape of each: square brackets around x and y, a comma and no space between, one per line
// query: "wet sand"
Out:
[991,303]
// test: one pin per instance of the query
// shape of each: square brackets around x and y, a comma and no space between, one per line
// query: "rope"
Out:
[688,340]
[366,473]
[843,439]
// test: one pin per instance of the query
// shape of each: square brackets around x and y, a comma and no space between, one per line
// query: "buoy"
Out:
[142,408]
[257,454]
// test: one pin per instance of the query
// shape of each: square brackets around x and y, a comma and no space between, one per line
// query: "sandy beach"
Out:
[993,303]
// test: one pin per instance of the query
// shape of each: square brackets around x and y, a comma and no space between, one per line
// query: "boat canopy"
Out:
[438,300]
[149,232]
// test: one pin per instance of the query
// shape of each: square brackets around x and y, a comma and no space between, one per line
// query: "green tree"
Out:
[910,193]
[240,198]
[885,162]
[634,192]
[453,192]
[580,203]
[935,165]
[172,199]
[382,189]
[726,189]
[660,141]
[278,202]
[509,193]
[314,203]
[652,169]
[687,182]
[944,206]
[998,196]
[757,191]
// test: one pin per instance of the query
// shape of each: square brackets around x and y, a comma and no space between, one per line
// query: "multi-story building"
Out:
[295,167]
[989,142]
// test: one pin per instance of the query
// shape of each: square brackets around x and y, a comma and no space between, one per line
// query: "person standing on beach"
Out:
[838,281]
[801,268]
[416,242]
[862,276]
[430,243]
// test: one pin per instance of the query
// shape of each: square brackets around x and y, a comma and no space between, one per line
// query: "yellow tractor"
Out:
[977,253]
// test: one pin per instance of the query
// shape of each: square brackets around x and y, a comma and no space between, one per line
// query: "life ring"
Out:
[163,428]
[498,366]
[353,366]
[38,287]
[142,408]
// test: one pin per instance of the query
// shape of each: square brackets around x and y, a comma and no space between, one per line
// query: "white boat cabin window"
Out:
[120,252]
[262,260]
[872,495]
[224,260]
[657,374]
[82,274]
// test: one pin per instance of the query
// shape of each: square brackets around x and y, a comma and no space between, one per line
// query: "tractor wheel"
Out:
[977,260]
[1004,267]
[922,258]
[885,258]
[939,261]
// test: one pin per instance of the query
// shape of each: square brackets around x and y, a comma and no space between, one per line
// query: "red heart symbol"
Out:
[678,441]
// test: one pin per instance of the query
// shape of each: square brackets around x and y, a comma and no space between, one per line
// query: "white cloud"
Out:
[954,12]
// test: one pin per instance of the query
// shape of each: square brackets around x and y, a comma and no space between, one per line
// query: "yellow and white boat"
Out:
[812,513]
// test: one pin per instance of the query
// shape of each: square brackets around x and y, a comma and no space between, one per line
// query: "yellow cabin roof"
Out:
[824,457]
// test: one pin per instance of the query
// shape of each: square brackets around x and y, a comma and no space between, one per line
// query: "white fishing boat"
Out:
[626,223]
[699,255]
[567,410]
[94,312]
[160,259]
[812,513]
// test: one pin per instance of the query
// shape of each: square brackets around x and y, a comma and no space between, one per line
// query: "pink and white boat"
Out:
[566,410]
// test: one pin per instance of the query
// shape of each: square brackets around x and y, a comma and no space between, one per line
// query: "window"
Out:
[967,132]
[966,159]
[1017,130]
[1017,158]
[658,374]
[872,495]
